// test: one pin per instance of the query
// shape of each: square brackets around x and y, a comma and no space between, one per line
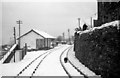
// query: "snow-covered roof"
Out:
[41,33]
[44,34]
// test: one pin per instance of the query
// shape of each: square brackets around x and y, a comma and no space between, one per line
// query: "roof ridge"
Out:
[41,33]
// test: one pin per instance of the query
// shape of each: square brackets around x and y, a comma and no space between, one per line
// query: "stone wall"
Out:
[99,49]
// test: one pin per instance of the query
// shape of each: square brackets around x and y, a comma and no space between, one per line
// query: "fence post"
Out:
[14,55]
[25,48]
[22,53]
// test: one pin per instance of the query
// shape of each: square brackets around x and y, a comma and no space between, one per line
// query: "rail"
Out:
[75,66]
[63,64]
[26,67]
[85,76]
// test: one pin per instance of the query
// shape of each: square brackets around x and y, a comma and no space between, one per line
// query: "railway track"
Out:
[38,60]
[63,64]
[82,75]
[42,57]
[75,66]
[68,61]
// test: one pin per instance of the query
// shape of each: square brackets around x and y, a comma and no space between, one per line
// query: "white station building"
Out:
[36,39]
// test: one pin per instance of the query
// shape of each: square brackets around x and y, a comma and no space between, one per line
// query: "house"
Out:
[36,39]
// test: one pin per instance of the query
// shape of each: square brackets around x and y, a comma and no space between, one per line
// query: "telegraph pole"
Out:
[14,41]
[91,21]
[14,35]
[63,36]
[69,35]
[79,23]
[19,22]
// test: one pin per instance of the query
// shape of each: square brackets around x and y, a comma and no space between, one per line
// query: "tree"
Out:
[59,38]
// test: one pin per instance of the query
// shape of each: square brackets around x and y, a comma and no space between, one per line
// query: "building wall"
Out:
[40,43]
[48,42]
[107,12]
[30,39]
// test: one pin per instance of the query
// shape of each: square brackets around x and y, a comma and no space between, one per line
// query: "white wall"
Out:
[30,39]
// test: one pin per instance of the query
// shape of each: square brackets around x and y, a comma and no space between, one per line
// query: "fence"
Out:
[14,55]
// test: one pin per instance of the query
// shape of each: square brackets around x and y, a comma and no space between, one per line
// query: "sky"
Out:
[51,16]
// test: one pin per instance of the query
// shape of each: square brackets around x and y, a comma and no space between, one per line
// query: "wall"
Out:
[30,39]
[98,49]
[48,42]
[107,12]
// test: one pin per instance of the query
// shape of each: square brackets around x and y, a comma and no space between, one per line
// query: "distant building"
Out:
[107,12]
[36,39]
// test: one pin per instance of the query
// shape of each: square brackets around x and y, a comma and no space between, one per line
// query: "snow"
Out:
[69,67]
[51,65]
[114,23]
[31,68]
[44,34]
[12,69]
[79,65]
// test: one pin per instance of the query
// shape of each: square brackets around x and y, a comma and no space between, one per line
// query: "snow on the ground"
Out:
[12,69]
[79,65]
[32,67]
[69,67]
[51,65]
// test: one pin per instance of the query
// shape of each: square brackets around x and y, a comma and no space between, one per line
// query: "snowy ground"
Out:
[50,66]
[72,71]
[12,69]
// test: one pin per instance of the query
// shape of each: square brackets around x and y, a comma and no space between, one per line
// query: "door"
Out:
[39,43]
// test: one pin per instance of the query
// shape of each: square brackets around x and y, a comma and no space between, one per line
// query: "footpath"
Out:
[79,66]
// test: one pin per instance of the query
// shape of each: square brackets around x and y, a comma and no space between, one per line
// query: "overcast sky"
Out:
[52,17]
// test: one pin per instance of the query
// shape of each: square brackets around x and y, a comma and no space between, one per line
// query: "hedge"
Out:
[99,51]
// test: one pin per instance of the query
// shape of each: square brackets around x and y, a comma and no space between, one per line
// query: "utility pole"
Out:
[19,23]
[69,35]
[91,21]
[63,36]
[14,41]
[79,23]
[14,35]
